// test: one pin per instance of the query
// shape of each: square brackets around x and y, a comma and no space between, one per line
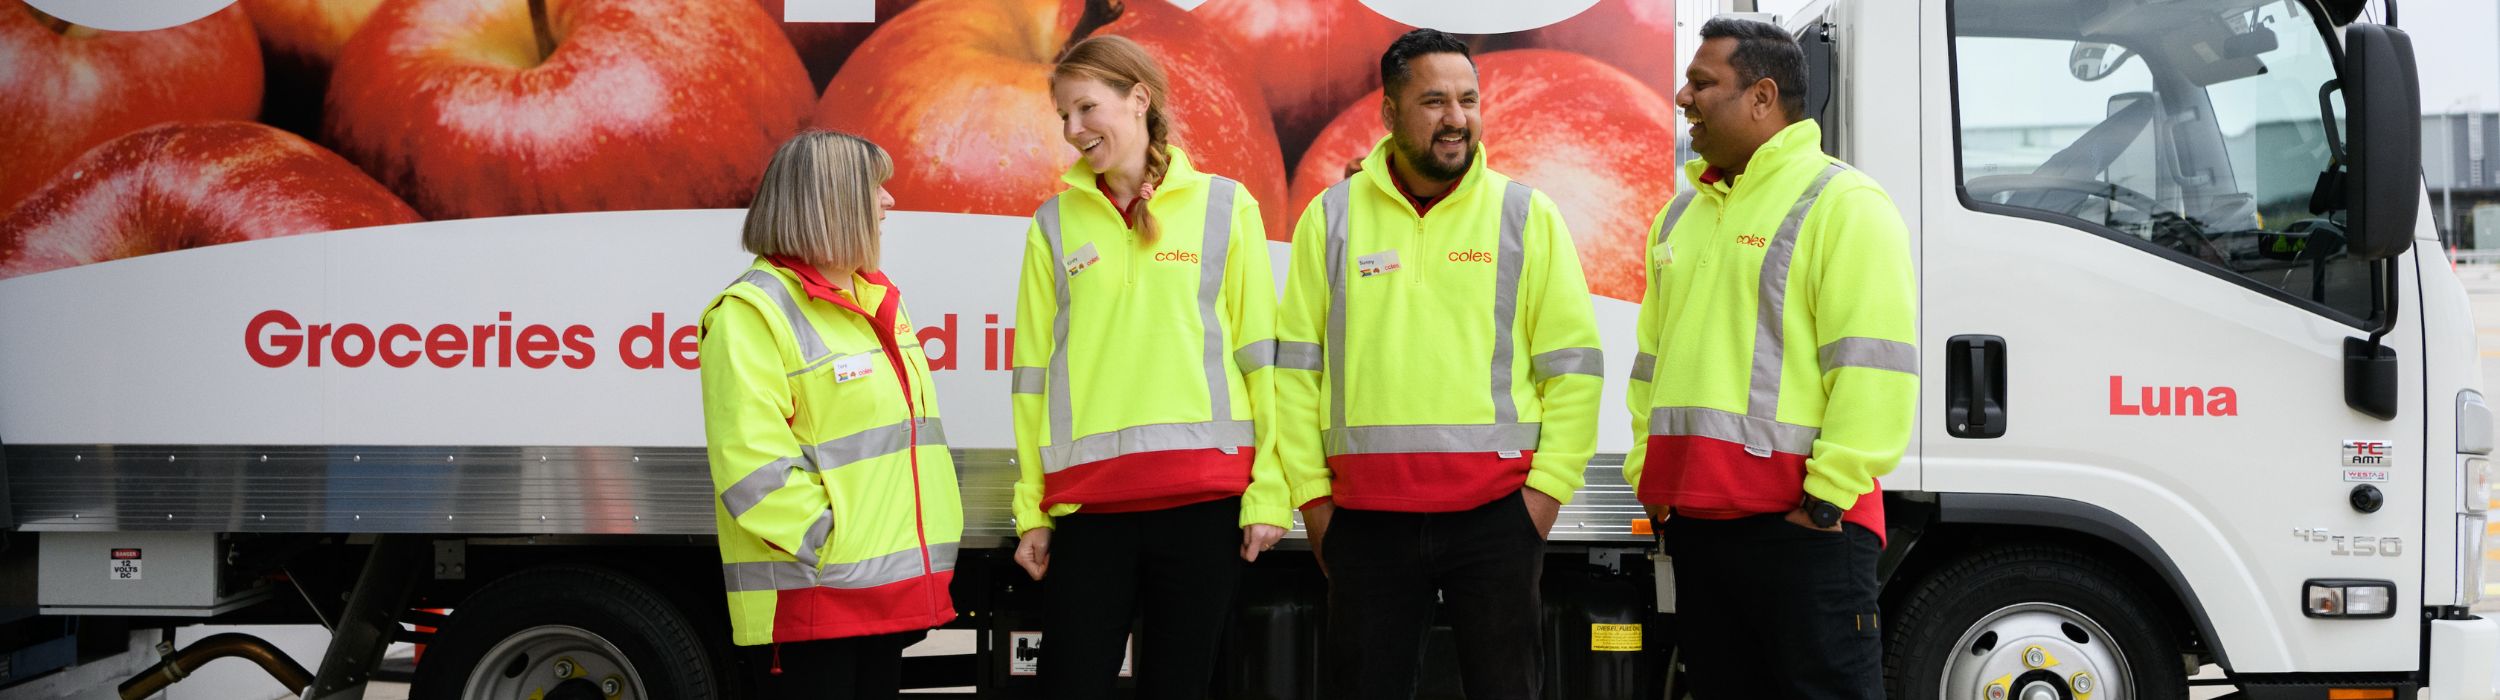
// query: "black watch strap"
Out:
[1822,513]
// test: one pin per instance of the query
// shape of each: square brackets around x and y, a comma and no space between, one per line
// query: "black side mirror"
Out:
[2383,158]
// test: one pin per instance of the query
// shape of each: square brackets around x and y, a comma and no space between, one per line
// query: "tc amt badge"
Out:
[1380,263]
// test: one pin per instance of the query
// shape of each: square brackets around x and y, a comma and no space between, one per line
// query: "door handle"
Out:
[1975,386]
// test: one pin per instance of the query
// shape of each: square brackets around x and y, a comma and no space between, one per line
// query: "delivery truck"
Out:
[380,316]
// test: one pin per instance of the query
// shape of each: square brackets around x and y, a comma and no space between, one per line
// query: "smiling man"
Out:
[1775,382]
[1439,398]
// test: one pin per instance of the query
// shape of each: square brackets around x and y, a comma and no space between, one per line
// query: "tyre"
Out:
[567,633]
[2031,623]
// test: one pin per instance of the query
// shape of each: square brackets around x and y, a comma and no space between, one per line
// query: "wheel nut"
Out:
[1996,691]
[611,686]
[2083,683]
[564,668]
[2035,657]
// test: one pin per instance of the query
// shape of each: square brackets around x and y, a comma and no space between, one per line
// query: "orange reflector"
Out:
[1640,526]
[2360,694]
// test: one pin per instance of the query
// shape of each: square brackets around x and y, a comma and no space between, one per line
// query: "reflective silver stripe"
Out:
[1871,353]
[1569,361]
[752,489]
[816,534]
[1715,424]
[1762,401]
[1333,205]
[1643,365]
[811,367]
[1029,380]
[1293,355]
[1159,437]
[1398,439]
[1506,298]
[876,571]
[811,345]
[1675,213]
[1062,426]
[871,443]
[1255,356]
[1218,237]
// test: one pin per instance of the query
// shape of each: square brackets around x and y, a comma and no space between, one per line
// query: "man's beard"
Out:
[1420,157]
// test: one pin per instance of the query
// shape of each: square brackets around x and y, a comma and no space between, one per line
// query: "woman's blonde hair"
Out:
[818,201]
[1121,64]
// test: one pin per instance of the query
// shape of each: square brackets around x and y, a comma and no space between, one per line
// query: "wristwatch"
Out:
[1821,512]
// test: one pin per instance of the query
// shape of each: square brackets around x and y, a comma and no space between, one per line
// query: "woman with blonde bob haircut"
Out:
[1141,390]
[836,501]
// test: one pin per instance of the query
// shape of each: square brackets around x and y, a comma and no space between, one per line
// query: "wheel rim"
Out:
[554,662]
[2036,651]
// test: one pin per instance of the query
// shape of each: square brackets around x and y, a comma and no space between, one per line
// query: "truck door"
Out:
[2135,308]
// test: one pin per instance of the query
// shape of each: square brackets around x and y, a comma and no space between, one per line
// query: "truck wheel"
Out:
[2031,623]
[566,633]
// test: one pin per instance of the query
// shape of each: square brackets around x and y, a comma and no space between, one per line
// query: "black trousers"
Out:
[1386,572]
[849,668]
[1176,567]
[1768,609]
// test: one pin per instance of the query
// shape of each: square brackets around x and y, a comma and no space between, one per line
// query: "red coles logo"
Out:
[1473,256]
[1755,241]
[1177,256]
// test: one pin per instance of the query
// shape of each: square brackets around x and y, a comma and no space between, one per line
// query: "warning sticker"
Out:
[125,565]
[1605,637]
[1024,655]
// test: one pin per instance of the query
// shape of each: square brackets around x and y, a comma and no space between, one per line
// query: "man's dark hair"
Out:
[1421,42]
[1764,50]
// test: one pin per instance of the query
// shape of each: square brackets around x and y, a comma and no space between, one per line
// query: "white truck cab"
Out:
[2199,388]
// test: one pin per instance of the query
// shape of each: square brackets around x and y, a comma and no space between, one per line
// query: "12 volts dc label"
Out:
[125,563]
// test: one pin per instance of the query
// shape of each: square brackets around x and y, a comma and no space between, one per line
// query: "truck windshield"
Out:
[2191,126]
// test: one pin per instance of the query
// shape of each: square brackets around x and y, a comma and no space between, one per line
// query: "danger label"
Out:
[1606,637]
[125,565]
[1024,655]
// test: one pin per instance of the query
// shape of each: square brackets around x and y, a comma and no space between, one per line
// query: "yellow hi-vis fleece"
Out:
[1778,352]
[1434,362]
[837,511]
[1143,374]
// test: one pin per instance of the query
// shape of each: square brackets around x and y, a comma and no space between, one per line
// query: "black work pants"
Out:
[1177,567]
[1768,609]
[1388,569]
[848,668]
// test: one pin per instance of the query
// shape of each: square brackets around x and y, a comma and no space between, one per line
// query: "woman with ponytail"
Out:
[1141,390]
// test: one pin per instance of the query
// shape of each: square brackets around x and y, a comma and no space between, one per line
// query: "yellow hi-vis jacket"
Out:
[837,508]
[1142,374]
[1434,362]
[1778,352]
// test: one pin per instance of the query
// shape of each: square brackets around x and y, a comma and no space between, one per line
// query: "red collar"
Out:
[1424,204]
[1128,214]
[1712,175]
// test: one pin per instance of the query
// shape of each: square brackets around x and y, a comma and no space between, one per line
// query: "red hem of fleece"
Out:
[1710,476]
[1150,476]
[1426,482]
[829,613]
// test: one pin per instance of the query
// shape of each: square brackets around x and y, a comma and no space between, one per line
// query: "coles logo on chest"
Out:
[1181,256]
[1753,240]
[1471,256]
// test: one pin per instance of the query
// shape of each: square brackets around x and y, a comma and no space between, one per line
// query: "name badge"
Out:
[1380,263]
[1084,257]
[1662,254]
[853,367]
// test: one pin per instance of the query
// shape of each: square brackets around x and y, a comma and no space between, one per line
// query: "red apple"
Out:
[299,39]
[1314,56]
[1637,36]
[473,108]
[1580,131]
[185,185]
[66,88]
[960,91]
[824,45]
